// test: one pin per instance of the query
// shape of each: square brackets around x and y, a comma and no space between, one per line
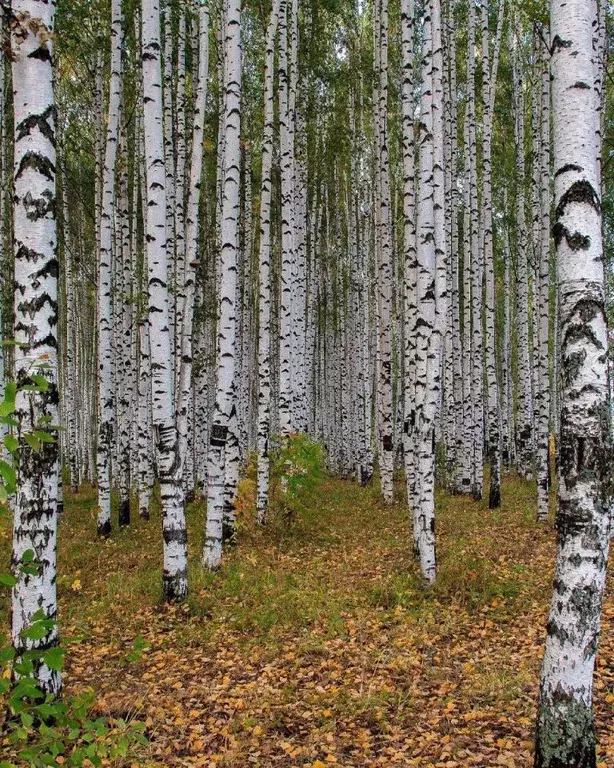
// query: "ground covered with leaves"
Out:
[316,644]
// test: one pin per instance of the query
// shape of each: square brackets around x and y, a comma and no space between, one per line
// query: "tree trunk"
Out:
[106,404]
[36,317]
[565,729]
[223,449]
[264,264]
[174,534]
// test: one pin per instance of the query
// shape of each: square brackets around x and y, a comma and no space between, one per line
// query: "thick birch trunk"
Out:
[36,316]
[565,730]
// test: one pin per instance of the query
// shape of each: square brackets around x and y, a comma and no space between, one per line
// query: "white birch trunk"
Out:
[565,730]
[543,294]
[223,456]
[384,261]
[524,436]
[427,357]
[175,579]
[489,78]
[185,313]
[106,405]
[36,316]
[264,276]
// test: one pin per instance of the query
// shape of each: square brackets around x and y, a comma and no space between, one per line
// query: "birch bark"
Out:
[186,313]
[36,317]
[565,730]
[106,404]
[222,461]
[174,534]
[264,275]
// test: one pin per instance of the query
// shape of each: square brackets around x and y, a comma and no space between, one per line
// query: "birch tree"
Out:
[427,358]
[383,252]
[221,475]
[524,436]
[489,83]
[35,504]
[175,579]
[106,405]
[186,313]
[542,291]
[565,729]
[264,274]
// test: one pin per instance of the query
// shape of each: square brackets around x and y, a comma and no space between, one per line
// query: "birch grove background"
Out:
[271,269]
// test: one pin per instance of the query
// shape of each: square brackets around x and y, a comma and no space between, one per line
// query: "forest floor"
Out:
[315,645]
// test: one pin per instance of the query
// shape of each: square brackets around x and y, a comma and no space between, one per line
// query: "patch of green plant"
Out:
[401,590]
[41,727]
[297,466]
[473,582]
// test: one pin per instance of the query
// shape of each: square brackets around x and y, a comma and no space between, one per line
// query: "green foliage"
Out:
[38,727]
[135,654]
[41,728]
[298,465]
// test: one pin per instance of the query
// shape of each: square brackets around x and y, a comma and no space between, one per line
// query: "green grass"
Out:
[333,605]
[292,576]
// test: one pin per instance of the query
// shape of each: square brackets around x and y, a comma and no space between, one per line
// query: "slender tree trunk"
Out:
[186,313]
[264,278]
[477,270]
[106,404]
[543,293]
[489,80]
[384,261]
[409,242]
[223,454]
[286,150]
[524,438]
[175,577]
[427,367]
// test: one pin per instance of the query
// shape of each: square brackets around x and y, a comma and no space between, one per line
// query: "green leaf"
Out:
[49,710]
[36,631]
[8,473]
[54,658]
[28,557]
[7,653]
[26,720]
[11,443]
[33,442]
[10,392]
[40,381]
[7,580]
[3,494]
[44,437]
